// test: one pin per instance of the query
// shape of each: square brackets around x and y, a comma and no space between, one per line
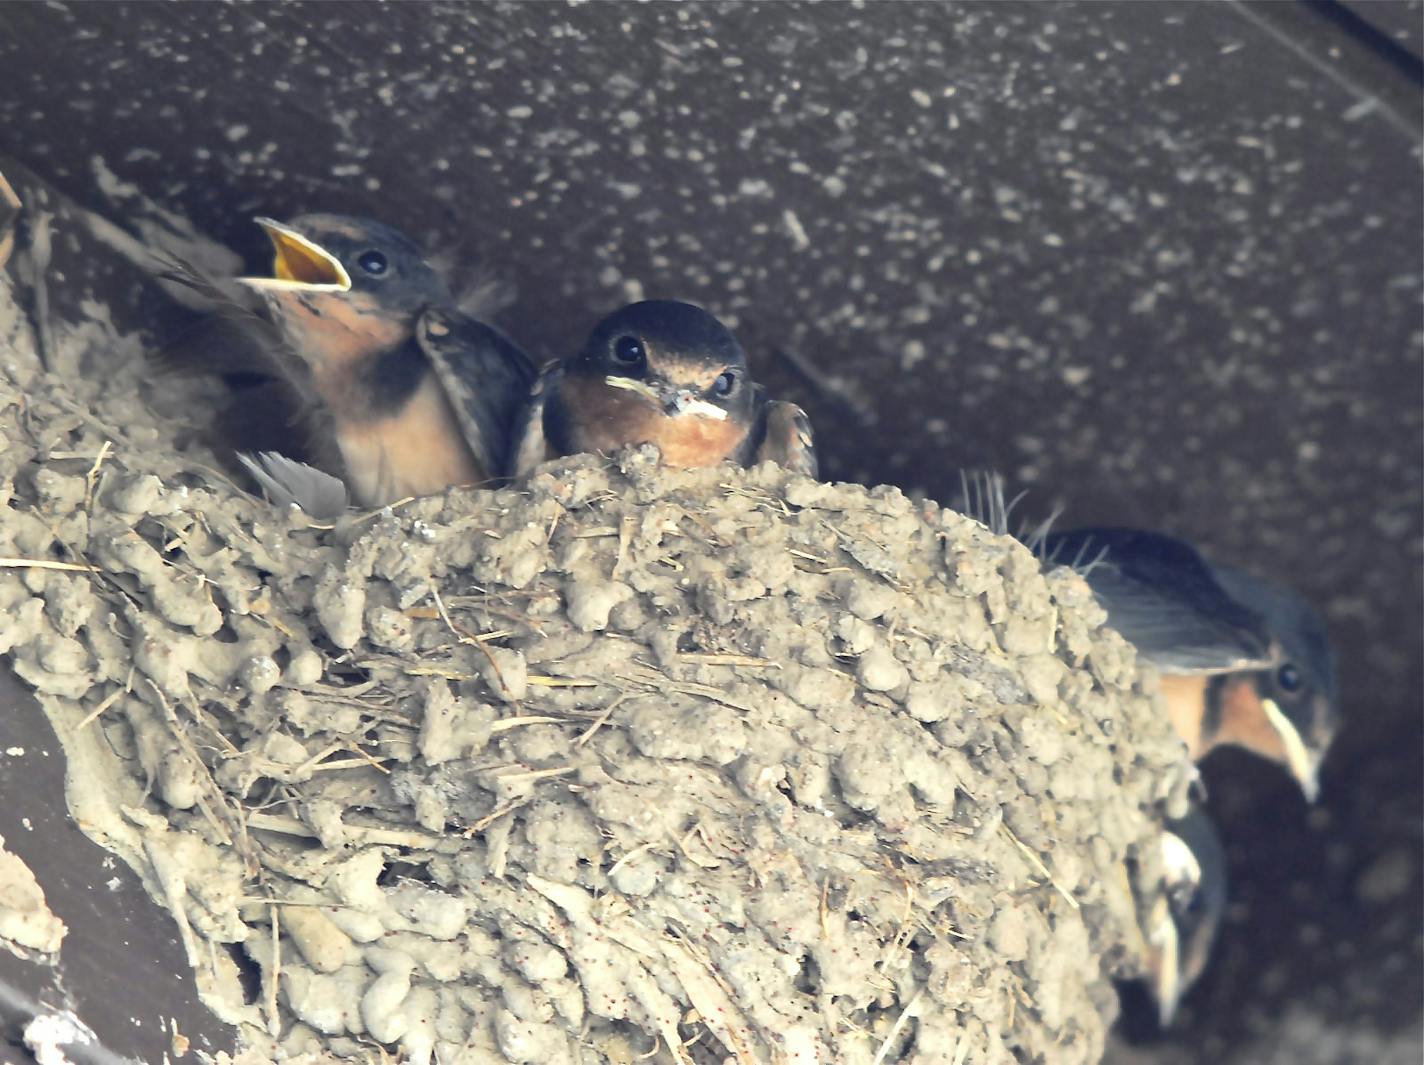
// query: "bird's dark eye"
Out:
[628,350]
[373,262]
[725,384]
[1289,678]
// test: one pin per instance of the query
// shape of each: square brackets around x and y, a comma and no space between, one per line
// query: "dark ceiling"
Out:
[1160,262]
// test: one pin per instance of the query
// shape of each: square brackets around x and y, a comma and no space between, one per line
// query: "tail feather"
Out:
[287,483]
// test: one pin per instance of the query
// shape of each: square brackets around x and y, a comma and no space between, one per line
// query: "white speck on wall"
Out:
[795,230]
[520,111]
[47,1034]
[110,184]
[236,132]
[912,355]
[15,752]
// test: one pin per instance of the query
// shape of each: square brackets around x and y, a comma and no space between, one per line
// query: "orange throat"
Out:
[1186,707]
[607,419]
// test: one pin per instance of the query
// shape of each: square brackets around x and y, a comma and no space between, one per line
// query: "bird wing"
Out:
[486,376]
[786,437]
[531,444]
[1164,599]
[287,482]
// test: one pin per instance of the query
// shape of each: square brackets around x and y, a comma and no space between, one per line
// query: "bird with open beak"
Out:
[418,396]
[398,390]
[664,373]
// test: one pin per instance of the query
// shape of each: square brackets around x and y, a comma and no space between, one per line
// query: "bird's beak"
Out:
[673,401]
[682,401]
[299,264]
[1299,760]
[1164,975]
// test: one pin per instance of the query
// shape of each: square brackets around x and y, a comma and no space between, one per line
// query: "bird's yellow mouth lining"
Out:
[299,264]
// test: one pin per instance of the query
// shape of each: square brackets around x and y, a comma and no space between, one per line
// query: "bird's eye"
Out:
[725,384]
[1288,678]
[373,262]
[628,350]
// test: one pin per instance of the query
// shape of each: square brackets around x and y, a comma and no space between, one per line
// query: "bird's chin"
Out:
[300,265]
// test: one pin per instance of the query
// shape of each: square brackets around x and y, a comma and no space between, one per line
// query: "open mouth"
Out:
[672,402]
[299,264]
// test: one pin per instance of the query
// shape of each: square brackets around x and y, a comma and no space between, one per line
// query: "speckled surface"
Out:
[1144,258]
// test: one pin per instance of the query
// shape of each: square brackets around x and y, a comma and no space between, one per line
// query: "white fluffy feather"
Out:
[287,482]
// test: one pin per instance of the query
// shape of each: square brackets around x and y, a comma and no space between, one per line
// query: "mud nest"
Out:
[617,764]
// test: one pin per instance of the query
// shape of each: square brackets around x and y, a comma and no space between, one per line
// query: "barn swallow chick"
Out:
[1183,919]
[665,373]
[1243,661]
[419,396]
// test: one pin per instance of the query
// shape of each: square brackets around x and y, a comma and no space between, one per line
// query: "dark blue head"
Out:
[345,288]
[675,354]
[1300,692]
[334,254]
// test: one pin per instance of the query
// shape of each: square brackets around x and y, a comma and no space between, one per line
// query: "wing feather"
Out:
[485,374]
